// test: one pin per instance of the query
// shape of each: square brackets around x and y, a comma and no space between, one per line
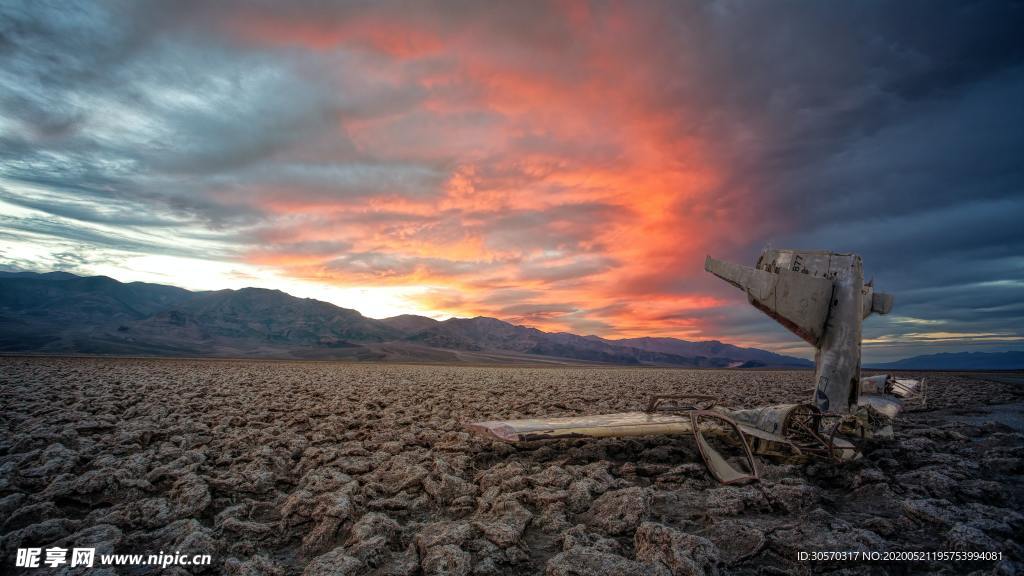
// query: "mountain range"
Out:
[1013,360]
[62,313]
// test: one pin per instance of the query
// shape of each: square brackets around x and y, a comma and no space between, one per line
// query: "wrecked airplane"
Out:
[821,297]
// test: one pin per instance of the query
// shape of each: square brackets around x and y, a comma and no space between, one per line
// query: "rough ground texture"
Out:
[330,469]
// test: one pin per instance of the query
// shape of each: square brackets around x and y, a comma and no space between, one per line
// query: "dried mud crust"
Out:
[330,469]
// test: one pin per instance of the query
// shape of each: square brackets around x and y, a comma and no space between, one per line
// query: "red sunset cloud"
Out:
[560,168]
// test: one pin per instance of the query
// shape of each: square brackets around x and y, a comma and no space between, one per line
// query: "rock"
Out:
[506,523]
[187,536]
[103,537]
[444,533]
[966,538]
[404,564]
[334,563]
[508,476]
[732,500]
[820,531]
[487,567]
[1002,465]
[322,535]
[401,474]
[583,561]
[56,458]
[929,482]
[930,511]
[255,566]
[298,507]
[544,496]
[682,473]
[190,495]
[736,540]
[552,519]
[446,560]
[683,554]
[334,504]
[983,490]
[877,498]
[402,501]
[445,488]
[552,476]
[187,463]
[325,479]
[884,527]
[1004,522]
[620,511]
[148,513]
[371,525]
[792,495]
[371,551]
[30,514]
[1007,567]
[868,476]
[331,511]
[245,528]
[581,493]
[45,531]
[10,503]
[578,536]
[354,464]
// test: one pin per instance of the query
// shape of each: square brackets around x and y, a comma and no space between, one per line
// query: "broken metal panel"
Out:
[875,302]
[906,387]
[837,359]
[882,403]
[721,468]
[873,418]
[888,384]
[816,263]
[881,303]
[771,419]
[628,424]
[798,301]
[867,297]
[879,384]
[602,426]
[913,393]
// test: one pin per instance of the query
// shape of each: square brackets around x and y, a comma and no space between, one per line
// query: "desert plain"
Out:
[329,468]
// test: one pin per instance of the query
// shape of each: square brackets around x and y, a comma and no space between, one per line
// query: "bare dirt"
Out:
[332,469]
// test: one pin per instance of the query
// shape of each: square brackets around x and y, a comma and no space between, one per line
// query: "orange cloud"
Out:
[570,176]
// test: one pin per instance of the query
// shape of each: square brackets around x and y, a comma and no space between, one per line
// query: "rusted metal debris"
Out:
[819,296]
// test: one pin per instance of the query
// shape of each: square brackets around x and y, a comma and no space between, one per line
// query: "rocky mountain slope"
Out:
[63,313]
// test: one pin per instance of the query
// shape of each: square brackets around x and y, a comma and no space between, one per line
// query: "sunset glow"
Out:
[545,182]
[564,165]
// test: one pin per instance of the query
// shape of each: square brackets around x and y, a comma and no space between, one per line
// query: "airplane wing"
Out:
[601,426]
[798,301]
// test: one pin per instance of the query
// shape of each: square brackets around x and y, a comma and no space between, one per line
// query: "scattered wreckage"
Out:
[821,297]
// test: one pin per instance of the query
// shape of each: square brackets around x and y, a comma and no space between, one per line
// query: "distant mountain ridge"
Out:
[61,313]
[712,348]
[1012,360]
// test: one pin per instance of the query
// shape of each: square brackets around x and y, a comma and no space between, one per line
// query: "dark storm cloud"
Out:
[131,103]
[888,129]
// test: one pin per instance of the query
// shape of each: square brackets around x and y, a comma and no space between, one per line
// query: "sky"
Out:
[564,165]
